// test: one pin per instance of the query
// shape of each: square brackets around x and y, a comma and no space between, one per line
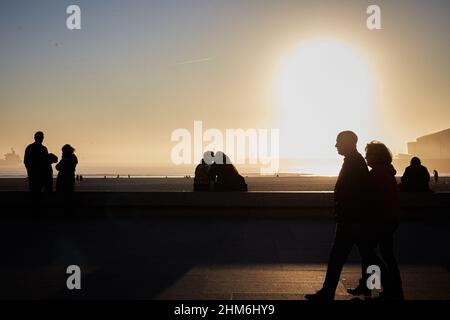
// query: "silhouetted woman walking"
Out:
[65,181]
[386,203]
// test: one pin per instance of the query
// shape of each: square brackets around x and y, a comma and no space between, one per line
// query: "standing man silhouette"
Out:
[436,176]
[352,214]
[36,162]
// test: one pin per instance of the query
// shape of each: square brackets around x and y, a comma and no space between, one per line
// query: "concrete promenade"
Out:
[137,251]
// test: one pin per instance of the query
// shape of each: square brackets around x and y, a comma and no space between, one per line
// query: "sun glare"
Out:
[324,87]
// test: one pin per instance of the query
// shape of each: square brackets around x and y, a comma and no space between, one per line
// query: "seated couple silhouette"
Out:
[367,216]
[215,172]
[38,163]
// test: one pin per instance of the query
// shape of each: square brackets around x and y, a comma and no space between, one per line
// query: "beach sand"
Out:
[298,183]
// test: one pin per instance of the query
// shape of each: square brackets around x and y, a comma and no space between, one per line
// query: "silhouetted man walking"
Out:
[36,162]
[351,212]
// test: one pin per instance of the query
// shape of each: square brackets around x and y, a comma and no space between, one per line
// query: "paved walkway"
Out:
[200,259]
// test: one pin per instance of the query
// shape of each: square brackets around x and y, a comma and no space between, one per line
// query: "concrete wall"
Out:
[308,205]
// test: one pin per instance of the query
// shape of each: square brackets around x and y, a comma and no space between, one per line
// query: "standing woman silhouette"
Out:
[65,181]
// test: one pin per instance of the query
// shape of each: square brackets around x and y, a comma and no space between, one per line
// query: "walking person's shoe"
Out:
[321,295]
[360,290]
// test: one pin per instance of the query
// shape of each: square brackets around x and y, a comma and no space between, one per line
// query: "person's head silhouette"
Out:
[346,142]
[415,161]
[208,157]
[39,137]
[377,154]
[67,150]
[52,158]
[222,158]
[219,157]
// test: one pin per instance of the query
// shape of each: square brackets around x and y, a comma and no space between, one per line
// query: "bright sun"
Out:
[324,87]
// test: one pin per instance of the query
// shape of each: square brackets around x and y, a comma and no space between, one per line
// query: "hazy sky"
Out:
[137,70]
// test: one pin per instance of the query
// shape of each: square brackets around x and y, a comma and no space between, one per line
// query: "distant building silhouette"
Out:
[11,159]
[431,146]
[433,149]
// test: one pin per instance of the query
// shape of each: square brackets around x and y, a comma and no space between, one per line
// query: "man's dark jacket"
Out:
[352,191]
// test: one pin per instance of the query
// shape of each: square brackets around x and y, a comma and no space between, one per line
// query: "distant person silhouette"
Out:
[385,206]
[48,184]
[352,215]
[65,181]
[226,175]
[436,176]
[36,163]
[416,178]
[203,179]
